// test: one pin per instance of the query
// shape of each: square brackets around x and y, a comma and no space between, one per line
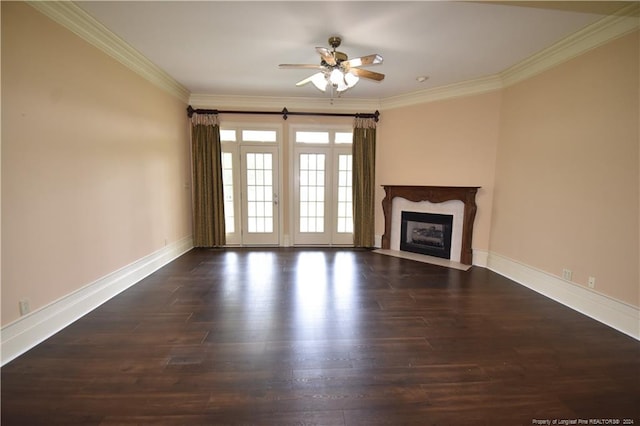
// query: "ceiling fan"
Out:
[336,70]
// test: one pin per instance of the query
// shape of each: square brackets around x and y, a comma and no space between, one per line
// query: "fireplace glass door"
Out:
[426,233]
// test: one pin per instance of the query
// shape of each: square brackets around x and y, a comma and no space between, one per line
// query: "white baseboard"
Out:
[35,327]
[614,313]
[480,258]
[30,330]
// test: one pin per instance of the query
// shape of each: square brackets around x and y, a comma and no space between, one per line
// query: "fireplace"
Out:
[438,195]
[426,233]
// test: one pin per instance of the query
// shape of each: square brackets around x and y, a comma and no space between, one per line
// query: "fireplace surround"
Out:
[434,194]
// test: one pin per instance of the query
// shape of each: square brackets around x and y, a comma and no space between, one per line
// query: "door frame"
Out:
[330,176]
[260,239]
[238,179]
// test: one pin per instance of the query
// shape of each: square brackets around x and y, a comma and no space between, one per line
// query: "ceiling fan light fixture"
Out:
[337,70]
[341,87]
[351,79]
[320,81]
[342,80]
[336,77]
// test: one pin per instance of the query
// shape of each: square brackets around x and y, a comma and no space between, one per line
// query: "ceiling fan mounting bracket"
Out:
[335,42]
[339,57]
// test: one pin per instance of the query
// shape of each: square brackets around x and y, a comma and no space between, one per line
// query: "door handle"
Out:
[275,199]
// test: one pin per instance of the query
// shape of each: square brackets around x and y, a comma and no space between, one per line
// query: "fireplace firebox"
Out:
[426,233]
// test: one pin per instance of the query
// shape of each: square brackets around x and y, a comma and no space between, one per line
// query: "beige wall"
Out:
[94,163]
[567,175]
[448,143]
[457,137]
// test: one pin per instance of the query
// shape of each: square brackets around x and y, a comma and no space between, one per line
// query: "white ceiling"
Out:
[234,47]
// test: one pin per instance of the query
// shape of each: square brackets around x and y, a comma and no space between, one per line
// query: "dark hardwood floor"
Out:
[328,337]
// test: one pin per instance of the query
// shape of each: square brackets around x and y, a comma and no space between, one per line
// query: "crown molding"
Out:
[600,32]
[465,88]
[291,103]
[81,23]
[75,19]
[456,90]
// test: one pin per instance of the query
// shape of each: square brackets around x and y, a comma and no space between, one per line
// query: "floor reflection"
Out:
[248,303]
[324,297]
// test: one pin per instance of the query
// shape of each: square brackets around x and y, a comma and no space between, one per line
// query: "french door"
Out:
[251,177]
[311,202]
[322,205]
[260,200]
[319,201]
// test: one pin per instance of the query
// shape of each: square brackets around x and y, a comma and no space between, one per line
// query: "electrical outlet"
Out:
[592,282]
[567,274]
[24,306]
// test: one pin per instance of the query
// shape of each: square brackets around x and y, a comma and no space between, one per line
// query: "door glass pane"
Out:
[312,192]
[227,191]
[344,137]
[227,135]
[345,205]
[312,137]
[259,193]
[259,135]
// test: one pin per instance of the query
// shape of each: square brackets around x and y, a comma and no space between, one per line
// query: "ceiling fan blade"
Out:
[307,80]
[367,74]
[326,55]
[301,66]
[364,61]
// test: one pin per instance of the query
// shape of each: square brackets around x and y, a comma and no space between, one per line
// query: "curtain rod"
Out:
[285,113]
